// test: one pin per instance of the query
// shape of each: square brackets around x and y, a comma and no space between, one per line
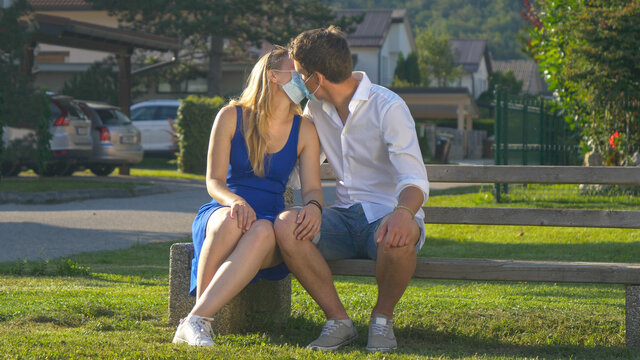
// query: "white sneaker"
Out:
[194,330]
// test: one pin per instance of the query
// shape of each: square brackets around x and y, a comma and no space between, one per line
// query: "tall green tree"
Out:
[588,52]
[408,72]
[208,23]
[20,105]
[435,57]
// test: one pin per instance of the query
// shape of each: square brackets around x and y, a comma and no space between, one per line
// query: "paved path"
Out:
[47,231]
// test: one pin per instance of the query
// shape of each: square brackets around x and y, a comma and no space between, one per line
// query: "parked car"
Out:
[71,143]
[116,141]
[155,119]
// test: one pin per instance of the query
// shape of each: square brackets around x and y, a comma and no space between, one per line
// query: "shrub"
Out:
[195,118]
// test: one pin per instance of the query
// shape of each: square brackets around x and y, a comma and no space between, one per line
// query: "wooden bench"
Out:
[468,269]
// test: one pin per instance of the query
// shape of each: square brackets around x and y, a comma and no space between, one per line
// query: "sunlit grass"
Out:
[119,310]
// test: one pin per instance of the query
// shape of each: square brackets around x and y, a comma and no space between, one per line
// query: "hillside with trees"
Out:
[498,21]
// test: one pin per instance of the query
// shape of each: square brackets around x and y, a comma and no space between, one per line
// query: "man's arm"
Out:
[397,226]
[412,189]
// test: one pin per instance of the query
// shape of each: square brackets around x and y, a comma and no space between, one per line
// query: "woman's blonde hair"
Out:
[257,105]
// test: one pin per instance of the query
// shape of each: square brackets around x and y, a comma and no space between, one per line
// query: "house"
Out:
[54,64]
[475,61]
[525,71]
[378,40]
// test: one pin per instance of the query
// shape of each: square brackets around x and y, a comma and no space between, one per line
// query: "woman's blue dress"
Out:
[264,194]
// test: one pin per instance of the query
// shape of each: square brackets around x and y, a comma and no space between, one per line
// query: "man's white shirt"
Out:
[375,154]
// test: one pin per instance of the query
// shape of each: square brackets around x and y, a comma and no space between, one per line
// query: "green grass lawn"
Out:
[117,308]
[27,181]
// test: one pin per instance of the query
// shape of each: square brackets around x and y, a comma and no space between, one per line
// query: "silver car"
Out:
[71,143]
[116,141]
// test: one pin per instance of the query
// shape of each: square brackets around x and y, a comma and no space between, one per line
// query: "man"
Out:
[369,138]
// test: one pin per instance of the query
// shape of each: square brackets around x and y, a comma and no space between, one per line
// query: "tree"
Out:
[435,58]
[588,52]
[207,23]
[407,71]
[99,83]
[498,21]
[499,80]
[21,105]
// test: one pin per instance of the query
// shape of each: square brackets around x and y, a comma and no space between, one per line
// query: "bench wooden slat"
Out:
[517,174]
[530,174]
[504,270]
[628,219]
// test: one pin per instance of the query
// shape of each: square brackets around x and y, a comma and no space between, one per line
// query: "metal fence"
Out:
[528,131]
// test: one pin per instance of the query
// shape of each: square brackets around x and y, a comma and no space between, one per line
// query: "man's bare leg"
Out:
[394,269]
[306,262]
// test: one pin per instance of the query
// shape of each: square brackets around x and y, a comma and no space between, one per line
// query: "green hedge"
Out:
[195,118]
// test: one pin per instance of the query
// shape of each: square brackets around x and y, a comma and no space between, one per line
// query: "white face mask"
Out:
[294,88]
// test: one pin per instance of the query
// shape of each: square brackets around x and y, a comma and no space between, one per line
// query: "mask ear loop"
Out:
[316,90]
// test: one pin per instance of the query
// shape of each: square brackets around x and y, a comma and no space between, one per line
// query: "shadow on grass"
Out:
[429,341]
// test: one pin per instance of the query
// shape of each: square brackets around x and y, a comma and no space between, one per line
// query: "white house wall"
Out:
[396,42]
[367,62]
[480,79]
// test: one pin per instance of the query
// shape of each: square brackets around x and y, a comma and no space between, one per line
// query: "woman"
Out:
[254,144]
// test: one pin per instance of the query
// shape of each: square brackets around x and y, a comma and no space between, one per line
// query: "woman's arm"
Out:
[310,216]
[218,156]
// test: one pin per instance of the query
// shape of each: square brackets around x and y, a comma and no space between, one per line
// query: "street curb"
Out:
[52,197]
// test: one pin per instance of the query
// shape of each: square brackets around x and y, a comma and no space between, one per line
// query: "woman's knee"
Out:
[261,234]
[285,224]
[221,222]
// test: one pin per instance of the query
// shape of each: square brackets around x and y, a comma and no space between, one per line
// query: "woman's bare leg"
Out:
[222,236]
[256,249]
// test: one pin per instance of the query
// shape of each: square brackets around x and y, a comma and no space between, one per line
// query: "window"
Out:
[167,112]
[112,117]
[198,85]
[143,113]
[165,87]
[55,111]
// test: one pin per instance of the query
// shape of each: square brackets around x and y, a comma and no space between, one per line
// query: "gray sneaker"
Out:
[335,333]
[195,331]
[381,336]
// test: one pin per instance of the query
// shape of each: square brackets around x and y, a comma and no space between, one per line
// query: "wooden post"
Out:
[124,92]
[27,64]
[124,82]
[632,317]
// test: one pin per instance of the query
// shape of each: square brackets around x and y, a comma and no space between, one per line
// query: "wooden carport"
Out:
[441,103]
[63,31]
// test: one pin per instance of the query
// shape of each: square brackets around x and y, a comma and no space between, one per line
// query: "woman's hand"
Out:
[244,213]
[309,220]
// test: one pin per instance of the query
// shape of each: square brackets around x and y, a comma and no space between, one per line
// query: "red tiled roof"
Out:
[60,4]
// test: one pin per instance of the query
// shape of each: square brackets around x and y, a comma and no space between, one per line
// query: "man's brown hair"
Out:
[325,51]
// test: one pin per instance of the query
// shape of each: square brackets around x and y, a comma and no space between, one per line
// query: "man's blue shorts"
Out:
[346,234]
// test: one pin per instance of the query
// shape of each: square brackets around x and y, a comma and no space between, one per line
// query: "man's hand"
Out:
[396,227]
[244,213]
[309,220]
